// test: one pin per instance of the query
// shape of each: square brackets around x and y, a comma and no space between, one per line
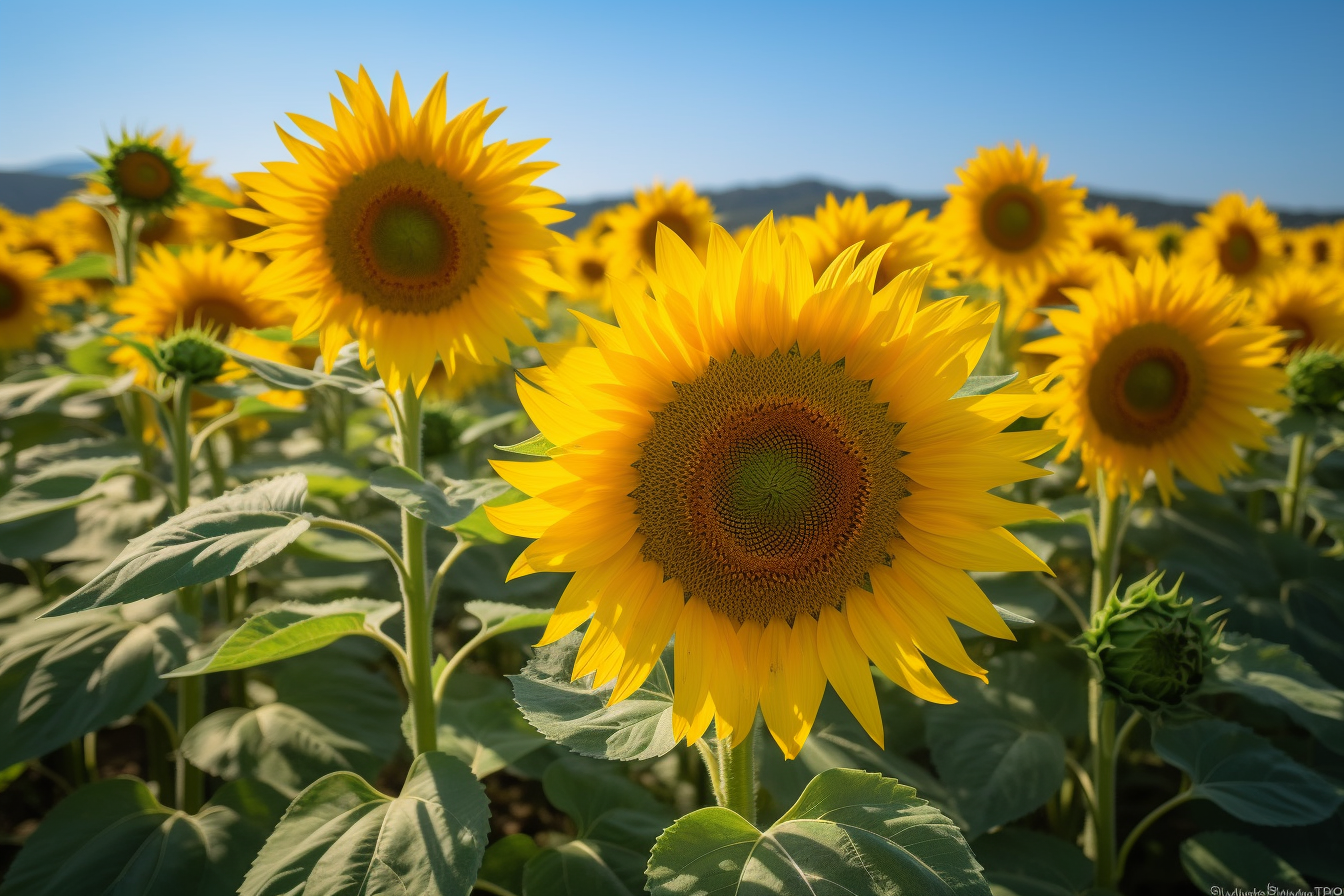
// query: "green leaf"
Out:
[575,715]
[500,618]
[419,498]
[504,861]
[336,547]
[286,376]
[850,832]
[984,385]
[1027,863]
[1218,860]
[114,837]
[253,406]
[617,821]
[1245,775]
[61,482]
[489,425]
[1275,676]
[89,266]
[1000,749]
[205,197]
[236,531]
[62,678]
[537,446]
[341,836]
[44,394]
[479,723]
[291,629]
[478,529]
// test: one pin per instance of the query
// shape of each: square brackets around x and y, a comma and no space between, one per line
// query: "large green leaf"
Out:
[62,678]
[505,859]
[1000,749]
[1220,861]
[236,531]
[1245,775]
[850,832]
[1274,675]
[88,266]
[1028,863]
[341,836]
[438,507]
[574,714]
[114,837]
[60,482]
[983,385]
[479,723]
[285,376]
[617,821]
[291,629]
[331,713]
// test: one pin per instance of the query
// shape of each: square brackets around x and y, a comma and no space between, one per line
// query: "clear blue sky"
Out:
[1182,100]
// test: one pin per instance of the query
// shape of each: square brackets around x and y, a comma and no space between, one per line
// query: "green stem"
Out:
[91,756]
[711,760]
[415,594]
[126,237]
[1105,545]
[1147,822]
[191,690]
[372,537]
[737,769]
[1297,476]
[1107,534]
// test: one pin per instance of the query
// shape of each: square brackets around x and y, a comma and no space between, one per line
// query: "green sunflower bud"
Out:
[1316,379]
[441,431]
[193,354]
[1152,649]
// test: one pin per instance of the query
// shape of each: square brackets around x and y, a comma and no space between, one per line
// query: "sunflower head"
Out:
[1306,303]
[24,297]
[1321,245]
[145,173]
[1157,375]
[1151,647]
[635,226]
[1239,240]
[772,467]
[1030,298]
[910,239]
[586,261]
[1164,240]
[1005,221]
[1111,233]
[408,231]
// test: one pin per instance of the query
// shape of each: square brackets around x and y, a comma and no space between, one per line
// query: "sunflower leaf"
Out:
[89,266]
[984,385]
[537,446]
[205,197]
[287,376]
[1219,861]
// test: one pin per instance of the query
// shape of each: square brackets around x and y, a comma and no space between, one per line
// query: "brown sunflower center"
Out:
[1320,251]
[1240,251]
[1295,324]
[671,219]
[407,238]
[1053,294]
[1109,242]
[592,270]
[769,485]
[11,296]
[144,174]
[1013,218]
[217,314]
[1146,385]
[43,247]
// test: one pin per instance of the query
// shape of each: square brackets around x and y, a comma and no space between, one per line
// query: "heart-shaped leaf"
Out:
[1218,861]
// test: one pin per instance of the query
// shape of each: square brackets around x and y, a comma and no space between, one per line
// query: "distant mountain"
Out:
[63,167]
[25,193]
[748,205]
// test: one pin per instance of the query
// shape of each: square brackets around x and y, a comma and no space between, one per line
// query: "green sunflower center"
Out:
[769,485]
[407,238]
[1146,385]
[11,297]
[145,174]
[1169,244]
[671,219]
[1013,218]
[1240,251]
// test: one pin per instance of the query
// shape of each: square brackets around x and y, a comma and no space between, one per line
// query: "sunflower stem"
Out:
[1293,505]
[415,594]
[191,690]
[1106,537]
[737,770]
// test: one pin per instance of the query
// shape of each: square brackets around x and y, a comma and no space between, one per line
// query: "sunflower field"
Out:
[362,533]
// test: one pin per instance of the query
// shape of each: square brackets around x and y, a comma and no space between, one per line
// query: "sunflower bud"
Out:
[441,431]
[1151,647]
[193,354]
[142,174]
[1316,379]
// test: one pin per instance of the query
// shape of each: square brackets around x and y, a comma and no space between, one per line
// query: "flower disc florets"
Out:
[1152,649]
[1316,380]
[143,176]
[193,354]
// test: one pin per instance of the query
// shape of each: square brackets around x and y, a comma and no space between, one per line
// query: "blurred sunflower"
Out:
[1028,299]
[408,231]
[1157,375]
[776,472]
[586,261]
[911,239]
[1321,244]
[468,377]
[678,208]
[1108,231]
[1307,303]
[1165,240]
[45,234]
[24,299]
[1239,240]
[147,173]
[1005,221]
[198,287]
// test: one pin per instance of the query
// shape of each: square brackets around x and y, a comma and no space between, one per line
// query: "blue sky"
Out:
[1181,100]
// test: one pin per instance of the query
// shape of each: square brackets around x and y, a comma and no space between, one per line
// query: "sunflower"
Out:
[1165,239]
[468,377]
[24,298]
[1106,230]
[1005,221]
[1028,299]
[586,261]
[147,174]
[1239,240]
[1307,303]
[1320,245]
[775,471]
[1156,375]
[407,230]
[198,287]
[679,208]
[910,239]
